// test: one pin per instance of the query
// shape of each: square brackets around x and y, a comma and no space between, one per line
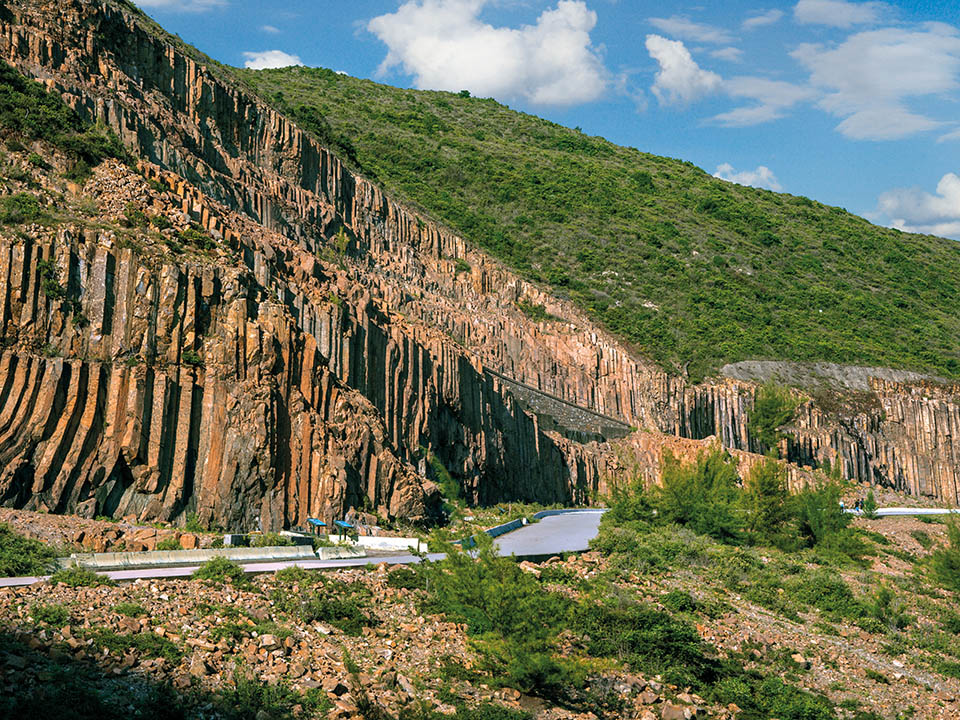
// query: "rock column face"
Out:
[414,352]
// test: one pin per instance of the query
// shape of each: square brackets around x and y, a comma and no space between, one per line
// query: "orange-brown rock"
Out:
[322,375]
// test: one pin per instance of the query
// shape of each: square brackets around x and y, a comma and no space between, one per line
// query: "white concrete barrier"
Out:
[170,558]
[376,542]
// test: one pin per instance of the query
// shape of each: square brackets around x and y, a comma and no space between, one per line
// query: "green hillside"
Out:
[688,269]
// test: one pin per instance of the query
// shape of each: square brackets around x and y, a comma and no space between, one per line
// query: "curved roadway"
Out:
[553,535]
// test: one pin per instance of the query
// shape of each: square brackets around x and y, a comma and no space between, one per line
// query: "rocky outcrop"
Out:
[383,327]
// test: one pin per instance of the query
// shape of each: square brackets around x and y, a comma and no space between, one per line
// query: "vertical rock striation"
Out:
[326,372]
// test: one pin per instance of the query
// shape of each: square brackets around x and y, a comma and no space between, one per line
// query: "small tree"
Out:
[870,506]
[765,501]
[701,495]
[773,408]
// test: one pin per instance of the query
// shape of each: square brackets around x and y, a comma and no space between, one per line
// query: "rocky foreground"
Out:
[384,651]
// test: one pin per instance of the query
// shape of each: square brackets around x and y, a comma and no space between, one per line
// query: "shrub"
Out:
[461,266]
[765,502]
[251,698]
[345,606]
[169,543]
[53,615]
[147,643]
[648,640]
[20,556]
[77,576]
[130,609]
[220,570]
[773,408]
[701,496]
[193,524]
[191,358]
[945,561]
[197,238]
[407,578]
[19,208]
[270,540]
[512,620]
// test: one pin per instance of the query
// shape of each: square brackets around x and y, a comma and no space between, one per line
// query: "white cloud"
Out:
[269,59]
[685,29]
[680,80]
[955,135]
[772,97]
[181,5]
[270,29]
[768,18]
[870,76]
[762,177]
[838,13]
[730,54]
[915,210]
[444,45]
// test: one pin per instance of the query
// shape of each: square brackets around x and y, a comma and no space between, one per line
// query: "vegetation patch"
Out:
[689,269]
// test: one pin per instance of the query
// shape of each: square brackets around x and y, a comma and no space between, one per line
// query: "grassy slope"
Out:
[684,267]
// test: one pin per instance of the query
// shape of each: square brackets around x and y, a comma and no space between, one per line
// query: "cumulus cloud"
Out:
[762,177]
[444,45]
[760,20]
[730,54]
[181,5]
[915,210]
[771,100]
[838,13]
[685,29]
[269,59]
[869,78]
[680,80]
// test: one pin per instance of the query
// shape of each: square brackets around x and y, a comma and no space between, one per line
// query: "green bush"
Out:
[31,112]
[191,358]
[76,576]
[344,605]
[53,615]
[407,578]
[130,609]
[648,640]
[251,698]
[220,570]
[702,496]
[21,556]
[765,503]
[512,620]
[19,208]
[945,561]
[146,643]
[169,543]
[772,408]
[270,540]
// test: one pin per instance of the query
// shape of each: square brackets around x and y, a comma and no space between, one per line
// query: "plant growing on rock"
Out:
[77,576]
[773,408]
[20,556]
[219,571]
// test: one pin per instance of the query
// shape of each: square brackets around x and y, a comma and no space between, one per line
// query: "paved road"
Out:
[570,532]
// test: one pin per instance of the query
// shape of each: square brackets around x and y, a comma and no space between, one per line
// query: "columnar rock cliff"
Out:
[327,365]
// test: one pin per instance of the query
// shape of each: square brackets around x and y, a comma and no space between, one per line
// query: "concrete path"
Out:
[570,532]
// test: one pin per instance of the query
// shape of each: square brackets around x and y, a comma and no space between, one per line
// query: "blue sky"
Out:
[855,104]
